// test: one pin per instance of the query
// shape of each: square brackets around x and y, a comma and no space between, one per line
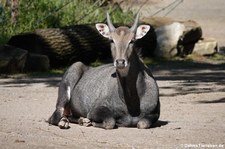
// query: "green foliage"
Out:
[57,13]
[97,63]
[217,57]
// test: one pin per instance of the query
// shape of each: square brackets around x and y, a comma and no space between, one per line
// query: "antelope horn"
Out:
[111,27]
[135,25]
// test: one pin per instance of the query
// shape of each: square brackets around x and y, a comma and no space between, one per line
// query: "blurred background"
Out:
[18,16]
[39,35]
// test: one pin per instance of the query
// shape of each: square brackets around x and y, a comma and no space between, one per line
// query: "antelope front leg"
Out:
[62,112]
[60,117]
[64,123]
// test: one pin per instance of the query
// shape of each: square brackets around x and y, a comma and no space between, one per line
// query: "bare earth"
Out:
[192,113]
[192,104]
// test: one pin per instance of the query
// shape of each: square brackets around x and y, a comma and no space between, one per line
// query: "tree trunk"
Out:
[14,11]
[65,46]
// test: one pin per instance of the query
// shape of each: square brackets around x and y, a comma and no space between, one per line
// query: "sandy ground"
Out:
[192,103]
[192,113]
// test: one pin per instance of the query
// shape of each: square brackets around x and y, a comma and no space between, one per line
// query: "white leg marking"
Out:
[68,92]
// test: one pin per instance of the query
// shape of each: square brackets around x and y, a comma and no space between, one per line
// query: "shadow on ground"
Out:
[188,70]
[221,100]
[159,123]
[191,77]
[26,80]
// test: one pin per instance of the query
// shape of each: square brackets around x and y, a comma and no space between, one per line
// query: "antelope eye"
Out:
[111,41]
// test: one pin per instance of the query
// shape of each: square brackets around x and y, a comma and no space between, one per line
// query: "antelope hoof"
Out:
[64,123]
[143,124]
[84,122]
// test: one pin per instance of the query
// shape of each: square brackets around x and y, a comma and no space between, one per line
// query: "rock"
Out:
[191,35]
[206,47]
[12,59]
[179,39]
[167,38]
[36,62]
[16,60]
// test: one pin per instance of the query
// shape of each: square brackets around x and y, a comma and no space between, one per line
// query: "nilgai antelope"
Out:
[122,94]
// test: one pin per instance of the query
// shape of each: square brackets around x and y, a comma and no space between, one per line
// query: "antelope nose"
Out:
[120,63]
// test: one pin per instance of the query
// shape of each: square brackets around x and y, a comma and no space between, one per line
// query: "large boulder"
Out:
[12,59]
[174,37]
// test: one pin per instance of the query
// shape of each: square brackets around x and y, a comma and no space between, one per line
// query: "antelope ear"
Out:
[142,31]
[103,29]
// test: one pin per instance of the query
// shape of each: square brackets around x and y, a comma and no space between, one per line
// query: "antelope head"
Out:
[122,39]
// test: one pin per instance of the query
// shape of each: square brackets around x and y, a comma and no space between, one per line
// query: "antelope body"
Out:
[122,94]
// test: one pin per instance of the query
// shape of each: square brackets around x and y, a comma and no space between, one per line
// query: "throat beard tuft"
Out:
[123,72]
